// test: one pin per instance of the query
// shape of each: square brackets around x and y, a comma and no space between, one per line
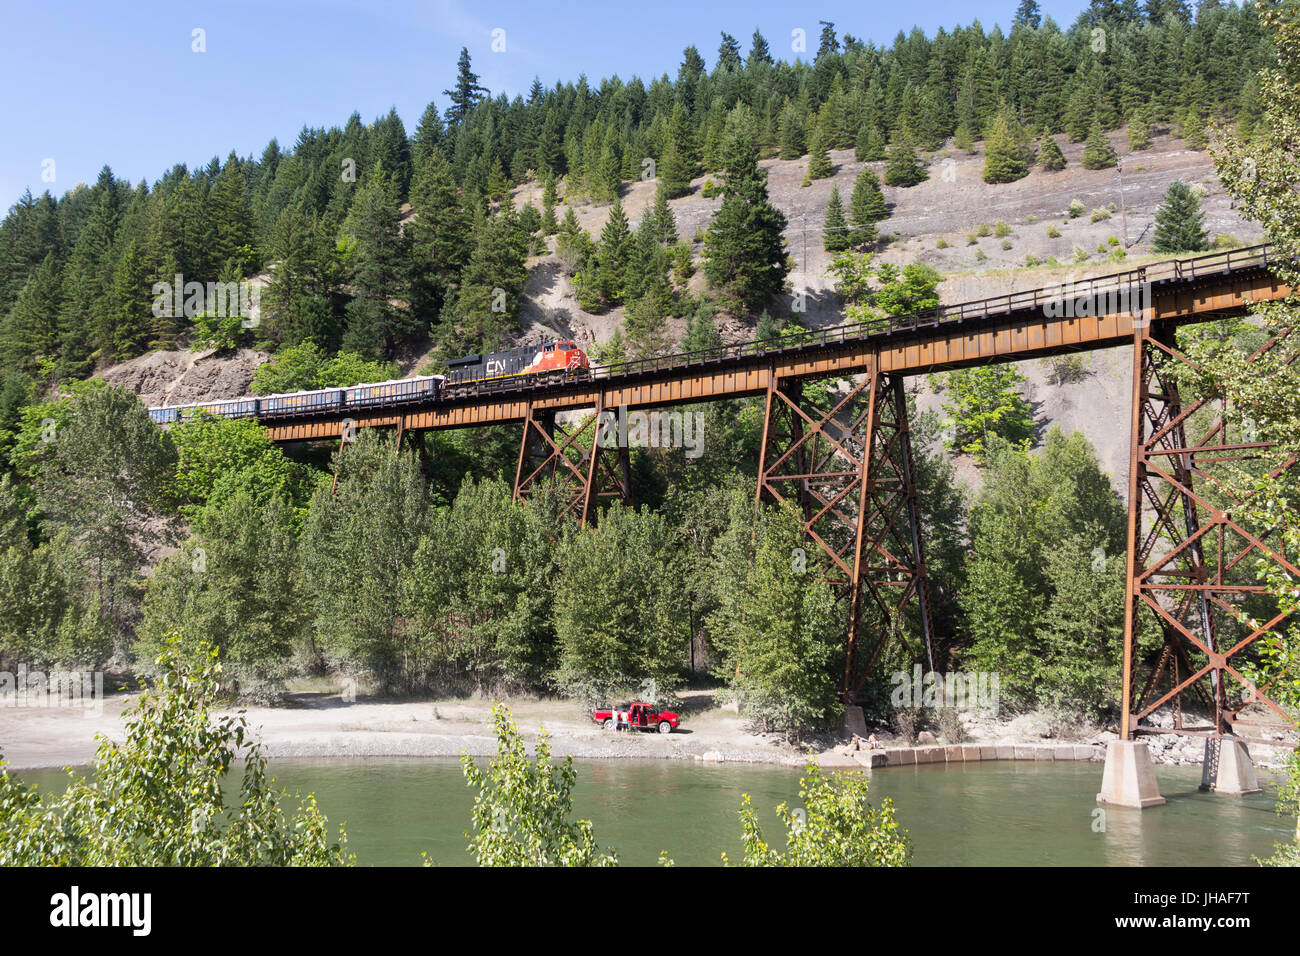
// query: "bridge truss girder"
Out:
[837,466]
[1190,558]
[575,464]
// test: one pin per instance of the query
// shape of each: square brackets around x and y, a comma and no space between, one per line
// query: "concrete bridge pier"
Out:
[1228,767]
[1129,778]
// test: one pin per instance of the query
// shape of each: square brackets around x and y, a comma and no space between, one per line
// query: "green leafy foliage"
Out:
[776,626]
[836,826]
[523,806]
[620,617]
[305,366]
[157,798]
[984,403]
[1044,588]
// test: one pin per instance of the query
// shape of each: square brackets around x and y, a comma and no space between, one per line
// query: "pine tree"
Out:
[1028,15]
[664,223]
[728,54]
[792,139]
[902,168]
[467,93]
[381,272]
[674,171]
[870,146]
[439,235]
[1194,129]
[30,332]
[744,247]
[1004,151]
[229,214]
[701,330]
[1180,222]
[1139,133]
[486,304]
[1050,156]
[129,313]
[1098,153]
[835,231]
[819,161]
[759,54]
[866,208]
[428,135]
[608,171]
[550,226]
[615,248]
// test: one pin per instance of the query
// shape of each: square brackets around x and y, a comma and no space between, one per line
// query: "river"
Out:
[989,813]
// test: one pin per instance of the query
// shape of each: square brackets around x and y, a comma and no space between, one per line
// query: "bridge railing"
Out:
[1230,260]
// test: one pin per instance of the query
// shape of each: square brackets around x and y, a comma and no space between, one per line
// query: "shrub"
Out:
[1076,208]
[1001,229]
[971,239]
[522,807]
[1064,369]
[983,230]
[1112,240]
[907,723]
[1080,253]
[981,256]
[950,728]
[1006,244]
[941,243]
[837,826]
[711,189]
[1099,215]
[1053,232]
[1032,260]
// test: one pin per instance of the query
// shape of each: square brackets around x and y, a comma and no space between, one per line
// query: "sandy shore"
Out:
[324,725]
[313,725]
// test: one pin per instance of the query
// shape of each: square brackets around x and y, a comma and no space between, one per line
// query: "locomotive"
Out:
[557,359]
[551,361]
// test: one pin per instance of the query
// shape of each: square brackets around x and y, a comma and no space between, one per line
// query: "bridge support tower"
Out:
[1191,570]
[849,471]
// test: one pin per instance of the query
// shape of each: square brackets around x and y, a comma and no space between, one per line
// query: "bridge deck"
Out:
[1097,313]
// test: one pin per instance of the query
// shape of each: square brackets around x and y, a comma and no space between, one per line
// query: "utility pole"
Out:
[1123,210]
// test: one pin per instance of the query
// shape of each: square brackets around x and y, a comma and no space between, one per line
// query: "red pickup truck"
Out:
[641,716]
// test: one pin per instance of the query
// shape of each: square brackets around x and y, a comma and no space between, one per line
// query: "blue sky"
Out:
[85,84]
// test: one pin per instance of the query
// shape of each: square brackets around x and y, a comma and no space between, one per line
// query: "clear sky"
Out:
[91,83]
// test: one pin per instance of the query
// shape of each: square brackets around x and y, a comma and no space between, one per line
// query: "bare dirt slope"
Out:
[175,377]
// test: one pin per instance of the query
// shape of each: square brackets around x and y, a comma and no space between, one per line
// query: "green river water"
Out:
[995,813]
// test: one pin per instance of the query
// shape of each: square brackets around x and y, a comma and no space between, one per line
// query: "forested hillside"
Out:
[351,265]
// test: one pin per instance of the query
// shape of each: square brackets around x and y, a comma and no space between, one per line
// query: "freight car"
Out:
[310,403]
[550,361]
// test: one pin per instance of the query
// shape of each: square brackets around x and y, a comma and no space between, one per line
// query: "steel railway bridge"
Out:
[849,468]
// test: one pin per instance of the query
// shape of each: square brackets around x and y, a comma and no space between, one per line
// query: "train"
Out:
[559,360]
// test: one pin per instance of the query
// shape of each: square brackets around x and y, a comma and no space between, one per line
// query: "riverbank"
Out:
[312,725]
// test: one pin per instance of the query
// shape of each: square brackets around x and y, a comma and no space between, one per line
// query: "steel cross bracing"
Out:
[849,472]
[1192,559]
[578,466]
